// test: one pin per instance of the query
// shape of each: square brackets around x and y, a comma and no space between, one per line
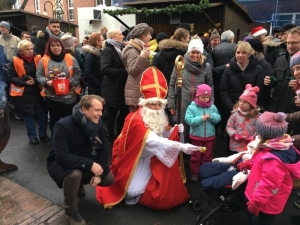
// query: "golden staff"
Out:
[179,66]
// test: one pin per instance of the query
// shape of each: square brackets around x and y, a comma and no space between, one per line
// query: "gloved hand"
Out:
[244,165]
[222,160]
[180,128]
[237,137]
[188,148]
[252,208]
[238,179]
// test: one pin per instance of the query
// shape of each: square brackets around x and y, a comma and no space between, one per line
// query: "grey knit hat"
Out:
[67,40]
[138,30]
[5,24]
[214,34]
[271,125]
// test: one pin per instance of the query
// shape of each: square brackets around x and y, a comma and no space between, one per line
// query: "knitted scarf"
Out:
[203,104]
[282,143]
[54,35]
[118,46]
[89,128]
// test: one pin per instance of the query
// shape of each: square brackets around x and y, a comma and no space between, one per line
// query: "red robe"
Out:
[165,188]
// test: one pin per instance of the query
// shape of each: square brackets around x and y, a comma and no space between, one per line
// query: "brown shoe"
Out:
[75,219]
[81,191]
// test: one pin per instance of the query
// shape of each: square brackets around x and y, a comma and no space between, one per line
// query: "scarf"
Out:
[53,35]
[57,58]
[118,46]
[244,113]
[89,128]
[27,58]
[203,104]
[282,143]
[140,42]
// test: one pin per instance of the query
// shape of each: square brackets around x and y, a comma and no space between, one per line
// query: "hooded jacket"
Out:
[271,179]
[165,59]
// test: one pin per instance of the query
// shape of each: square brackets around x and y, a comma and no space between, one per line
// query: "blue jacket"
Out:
[199,129]
[3,61]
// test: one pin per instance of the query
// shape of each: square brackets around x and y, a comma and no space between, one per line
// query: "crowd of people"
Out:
[242,92]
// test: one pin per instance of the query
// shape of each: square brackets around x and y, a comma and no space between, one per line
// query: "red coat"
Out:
[165,188]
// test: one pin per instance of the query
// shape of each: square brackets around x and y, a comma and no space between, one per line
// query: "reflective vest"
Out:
[20,70]
[69,61]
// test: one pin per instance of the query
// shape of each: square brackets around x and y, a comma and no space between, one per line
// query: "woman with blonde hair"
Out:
[25,91]
[169,50]
[92,73]
[196,71]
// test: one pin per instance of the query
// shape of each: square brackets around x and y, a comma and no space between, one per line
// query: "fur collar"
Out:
[135,44]
[169,43]
[269,42]
[90,49]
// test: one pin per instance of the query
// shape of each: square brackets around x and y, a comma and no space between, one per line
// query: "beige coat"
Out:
[135,66]
[10,44]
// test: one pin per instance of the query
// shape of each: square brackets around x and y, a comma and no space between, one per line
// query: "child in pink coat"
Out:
[273,167]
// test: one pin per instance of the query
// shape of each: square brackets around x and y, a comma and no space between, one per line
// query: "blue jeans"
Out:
[42,122]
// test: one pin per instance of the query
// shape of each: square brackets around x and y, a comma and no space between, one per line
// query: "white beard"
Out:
[156,120]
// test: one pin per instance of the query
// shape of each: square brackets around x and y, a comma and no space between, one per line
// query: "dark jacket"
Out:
[221,55]
[165,59]
[33,36]
[273,49]
[234,81]
[72,149]
[31,99]
[294,119]
[41,41]
[3,62]
[114,77]
[92,71]
[283,97]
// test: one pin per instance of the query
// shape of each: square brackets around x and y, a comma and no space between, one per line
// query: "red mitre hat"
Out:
[153,84]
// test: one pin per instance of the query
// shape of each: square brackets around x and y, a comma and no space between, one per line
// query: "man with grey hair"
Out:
[221,56]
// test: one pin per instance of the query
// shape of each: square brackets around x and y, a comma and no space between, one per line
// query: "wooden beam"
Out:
[209,19]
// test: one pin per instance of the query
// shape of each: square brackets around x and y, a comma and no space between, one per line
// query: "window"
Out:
[71,10]
[37,7]
[100,2]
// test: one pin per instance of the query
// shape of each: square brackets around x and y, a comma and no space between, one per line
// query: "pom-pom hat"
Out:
[196,45]
[271,125]
[295,60]
[258,31]
[250,95]
[153,85]
[203,89]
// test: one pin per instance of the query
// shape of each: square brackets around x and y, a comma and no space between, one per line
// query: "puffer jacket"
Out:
[114,77]
[135,66]
[193,75]
[271,179]
[199,129]
[234,80]
[165,59]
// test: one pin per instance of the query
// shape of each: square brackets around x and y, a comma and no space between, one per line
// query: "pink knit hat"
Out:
[203,89]
[249,94]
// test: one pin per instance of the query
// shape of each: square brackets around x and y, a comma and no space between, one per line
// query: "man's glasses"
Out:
[292,43]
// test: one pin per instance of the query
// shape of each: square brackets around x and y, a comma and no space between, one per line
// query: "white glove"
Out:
[180,128]
[238,179]
[222,160]
[188,148]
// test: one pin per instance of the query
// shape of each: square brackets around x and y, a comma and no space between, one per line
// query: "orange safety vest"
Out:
[69,61]
[20,70]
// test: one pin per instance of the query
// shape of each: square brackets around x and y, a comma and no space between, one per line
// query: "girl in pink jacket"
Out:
[273,167]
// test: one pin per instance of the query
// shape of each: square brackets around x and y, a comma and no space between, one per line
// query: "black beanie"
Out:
[161,36]
[185,26]
[256,45]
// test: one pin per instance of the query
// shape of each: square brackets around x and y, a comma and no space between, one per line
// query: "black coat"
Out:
[92,73]
[40,44]
[72,149]
[273,49]
[31,99]
[283,97]
[165,59]
[234,81]
[114,77]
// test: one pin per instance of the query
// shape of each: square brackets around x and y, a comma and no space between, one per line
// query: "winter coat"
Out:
[61,67]
[41,41]
[92,71]
[192,76]
[234,80]
[31,99]
[10,44]
[114,77]
[73,150]
[294,119]
[273,49]
[283,97]
[135,66]
[3,62]
[221,55]
[270,182]
[239,124]
[33,36]
[165,59]
[199,129]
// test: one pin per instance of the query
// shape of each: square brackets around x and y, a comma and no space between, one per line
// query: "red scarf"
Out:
[27,58]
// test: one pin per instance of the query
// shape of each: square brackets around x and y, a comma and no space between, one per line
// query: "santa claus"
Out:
[144,159]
